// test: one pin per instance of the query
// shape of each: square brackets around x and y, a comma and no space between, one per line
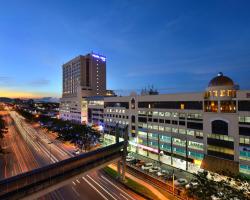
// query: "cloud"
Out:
[5,81]
[39,82]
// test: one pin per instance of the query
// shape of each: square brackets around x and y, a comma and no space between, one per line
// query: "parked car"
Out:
[170,177]
[140,163]
[129,158]
[154,169]
[147,166]
[192,185]
[160,173]
[163,172]
[134,162]
[180,182]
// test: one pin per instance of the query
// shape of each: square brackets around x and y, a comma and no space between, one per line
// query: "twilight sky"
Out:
[174,45]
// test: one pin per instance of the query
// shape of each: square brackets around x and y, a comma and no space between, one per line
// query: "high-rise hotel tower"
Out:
[83,76]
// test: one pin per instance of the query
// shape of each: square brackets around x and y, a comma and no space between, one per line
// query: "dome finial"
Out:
[220,74]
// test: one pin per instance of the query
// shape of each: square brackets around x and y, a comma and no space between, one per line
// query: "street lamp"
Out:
[50,158]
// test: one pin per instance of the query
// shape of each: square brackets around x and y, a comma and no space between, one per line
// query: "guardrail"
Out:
[19,186]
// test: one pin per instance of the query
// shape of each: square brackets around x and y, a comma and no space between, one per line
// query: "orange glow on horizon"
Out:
[20,94]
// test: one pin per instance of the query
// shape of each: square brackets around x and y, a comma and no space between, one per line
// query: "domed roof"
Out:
[221,80]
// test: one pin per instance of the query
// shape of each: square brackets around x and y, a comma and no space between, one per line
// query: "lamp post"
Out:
[50,158]
[173,182]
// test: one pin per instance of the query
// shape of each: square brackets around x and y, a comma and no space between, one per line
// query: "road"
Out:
[32,148]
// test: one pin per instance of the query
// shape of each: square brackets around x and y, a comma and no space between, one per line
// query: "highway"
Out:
[33,148]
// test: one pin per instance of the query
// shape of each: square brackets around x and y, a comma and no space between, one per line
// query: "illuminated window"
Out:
[190,132]
[155,127]
[161,114]
[182,106]
[175,130]
[155,113]
[161,128]
[215,92]
[174,114]
[223,93]
[182,131]
[168,129]
[167,114]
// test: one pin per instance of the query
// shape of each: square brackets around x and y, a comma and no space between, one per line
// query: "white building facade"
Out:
[209,130]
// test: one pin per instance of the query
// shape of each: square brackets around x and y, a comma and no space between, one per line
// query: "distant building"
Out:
[83,76]
[209,130]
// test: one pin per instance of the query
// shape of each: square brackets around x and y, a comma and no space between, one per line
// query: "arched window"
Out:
[220,127]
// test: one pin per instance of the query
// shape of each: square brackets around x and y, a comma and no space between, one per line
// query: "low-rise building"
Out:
[189,131]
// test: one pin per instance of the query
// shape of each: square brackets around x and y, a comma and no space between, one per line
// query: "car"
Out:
[160,173]
[169,177]
[77,152]
[134,162]
[192,185]
[129,158]
[180,182]
[165,172]
[154,169]
[140,163]
[147,166]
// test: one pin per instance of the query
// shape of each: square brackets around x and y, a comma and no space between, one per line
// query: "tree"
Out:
[2,130]
[208,188]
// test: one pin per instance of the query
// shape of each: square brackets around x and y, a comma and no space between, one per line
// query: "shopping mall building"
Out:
[209,130]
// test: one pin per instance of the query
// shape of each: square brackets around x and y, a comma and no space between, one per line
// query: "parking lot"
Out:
[159,171]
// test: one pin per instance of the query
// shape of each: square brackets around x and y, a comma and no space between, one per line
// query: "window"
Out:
[192,105]
[182,115]
[182,106]
[167,114]
[222,93]
[155,120]
[219,127]
[190,132]
[133,119]
[155,113]
[174,115]
[195,145]
[165,138]
[244,105]
[179,142]
[182,123]
[244,120]
[194,116]
[211,106]
[228,106]
[168,129]
[194,125]
[199,134]
[161,128]
[161,121]
[142,119]
[174,122]
[150,126]
[244,131]
[161,114]
[182,131]
[175,130]
[155,127]
[244,140]
[167,121]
